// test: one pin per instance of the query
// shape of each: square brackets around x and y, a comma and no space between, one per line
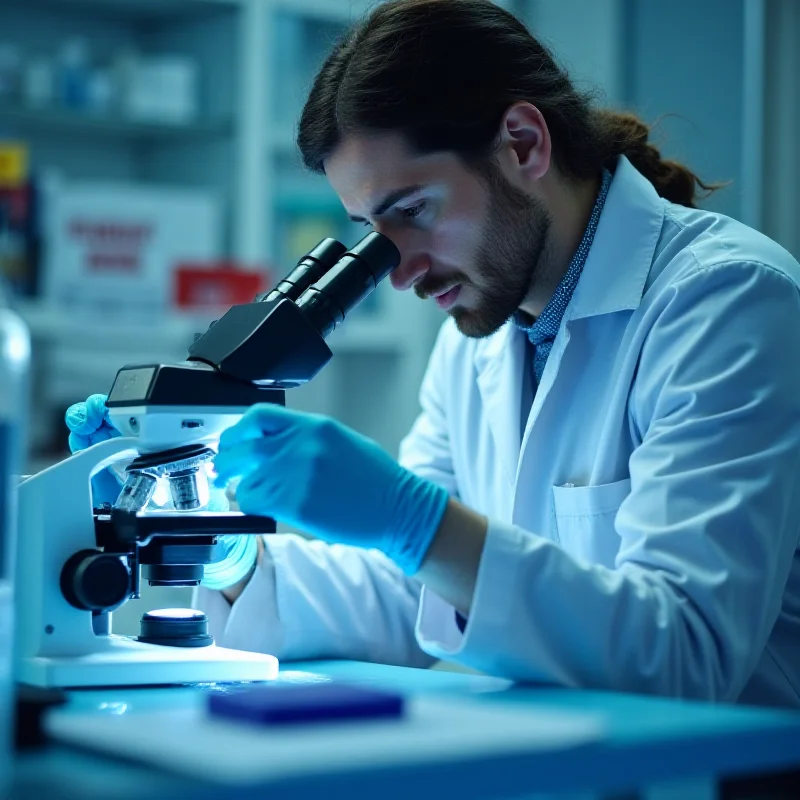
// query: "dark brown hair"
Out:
[444,72]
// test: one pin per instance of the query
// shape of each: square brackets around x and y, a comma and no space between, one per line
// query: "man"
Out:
[603,486]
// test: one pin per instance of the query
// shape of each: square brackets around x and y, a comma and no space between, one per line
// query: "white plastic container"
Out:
[14,364]
[162,89]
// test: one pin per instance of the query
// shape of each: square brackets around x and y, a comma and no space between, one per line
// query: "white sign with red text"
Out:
[111,249]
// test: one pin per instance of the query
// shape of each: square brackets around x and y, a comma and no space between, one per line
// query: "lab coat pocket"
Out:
[586,515]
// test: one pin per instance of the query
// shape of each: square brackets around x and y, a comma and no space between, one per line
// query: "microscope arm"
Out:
[70,479]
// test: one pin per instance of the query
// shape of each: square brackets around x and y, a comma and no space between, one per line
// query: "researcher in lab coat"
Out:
[602,487]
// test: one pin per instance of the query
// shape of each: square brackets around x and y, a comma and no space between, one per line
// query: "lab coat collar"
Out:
[613,279]
[621,255]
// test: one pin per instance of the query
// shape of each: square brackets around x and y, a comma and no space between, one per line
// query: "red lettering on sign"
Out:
[111,245]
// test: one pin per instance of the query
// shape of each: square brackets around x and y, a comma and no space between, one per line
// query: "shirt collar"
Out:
[547,324]
[619,262]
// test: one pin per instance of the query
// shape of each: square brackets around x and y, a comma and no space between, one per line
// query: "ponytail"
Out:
[625,134]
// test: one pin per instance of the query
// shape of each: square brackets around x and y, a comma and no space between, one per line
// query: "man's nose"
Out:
[409,272]
[414,262]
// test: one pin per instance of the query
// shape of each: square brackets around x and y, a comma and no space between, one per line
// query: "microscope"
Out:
[77,562]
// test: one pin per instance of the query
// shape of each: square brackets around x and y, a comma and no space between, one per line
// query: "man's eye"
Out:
[414,211]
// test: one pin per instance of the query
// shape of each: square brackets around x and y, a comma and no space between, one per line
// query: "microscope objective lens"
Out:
[184,489]
[136,492]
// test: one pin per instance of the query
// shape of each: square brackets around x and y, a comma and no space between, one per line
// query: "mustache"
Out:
[436,285]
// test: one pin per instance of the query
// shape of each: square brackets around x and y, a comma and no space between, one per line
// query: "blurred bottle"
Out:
[73,74]
[124,64]
[14,365]
[100,90]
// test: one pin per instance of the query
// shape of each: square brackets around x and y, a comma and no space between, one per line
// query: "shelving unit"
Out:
[173,335]
[333,10]
[256,59]
[109,127]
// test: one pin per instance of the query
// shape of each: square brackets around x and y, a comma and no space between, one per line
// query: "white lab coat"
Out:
[643,531]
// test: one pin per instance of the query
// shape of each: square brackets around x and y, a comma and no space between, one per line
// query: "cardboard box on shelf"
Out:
[112,249]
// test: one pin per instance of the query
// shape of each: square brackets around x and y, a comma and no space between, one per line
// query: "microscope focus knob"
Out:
[94,581]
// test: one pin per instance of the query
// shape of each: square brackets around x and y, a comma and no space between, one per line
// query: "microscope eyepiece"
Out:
[309,270]
[357,273]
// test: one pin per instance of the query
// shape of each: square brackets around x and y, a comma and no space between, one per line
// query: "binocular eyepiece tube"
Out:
[353,277]
[309,270]
[330,280]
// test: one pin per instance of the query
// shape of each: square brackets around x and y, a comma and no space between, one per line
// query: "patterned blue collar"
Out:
[549,321]
[544,329]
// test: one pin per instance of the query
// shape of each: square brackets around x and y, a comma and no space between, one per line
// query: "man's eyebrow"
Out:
[388,201]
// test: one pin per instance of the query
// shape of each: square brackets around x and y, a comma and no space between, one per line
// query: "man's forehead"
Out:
[362,168]
[369,153]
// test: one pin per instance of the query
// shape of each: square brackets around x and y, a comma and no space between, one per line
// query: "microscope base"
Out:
[126,662]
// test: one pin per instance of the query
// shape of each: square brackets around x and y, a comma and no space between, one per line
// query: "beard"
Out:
[511,257]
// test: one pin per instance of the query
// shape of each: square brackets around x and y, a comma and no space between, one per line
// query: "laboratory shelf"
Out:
[109,333]
[175,331]
[255,61]
[316,200]
[343,11]
[141,11]
[57,121]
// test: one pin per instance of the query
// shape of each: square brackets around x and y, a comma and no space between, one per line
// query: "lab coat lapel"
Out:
[613,280]
[499,361]
[549,376]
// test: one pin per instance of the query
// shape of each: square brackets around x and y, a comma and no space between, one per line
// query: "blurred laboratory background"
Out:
[149,176]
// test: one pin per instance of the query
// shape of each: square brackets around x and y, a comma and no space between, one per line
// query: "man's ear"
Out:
[524,151]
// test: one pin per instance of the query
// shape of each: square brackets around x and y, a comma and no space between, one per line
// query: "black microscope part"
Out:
[279,343]
[197,383]
[95,581]
[152,460]
[355,276]
[309,270]
[177,561]
[170,547]
[262,346]
[183,631]
[172,574]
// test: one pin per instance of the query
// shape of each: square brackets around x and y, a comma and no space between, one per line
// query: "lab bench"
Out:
[645,747]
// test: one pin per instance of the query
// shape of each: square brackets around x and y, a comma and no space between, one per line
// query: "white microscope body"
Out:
[56,642]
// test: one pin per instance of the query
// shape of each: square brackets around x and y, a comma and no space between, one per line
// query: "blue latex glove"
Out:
[89,424]
[315,474]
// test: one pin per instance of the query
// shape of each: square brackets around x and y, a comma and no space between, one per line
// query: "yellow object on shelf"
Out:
[13,164]
[303,233]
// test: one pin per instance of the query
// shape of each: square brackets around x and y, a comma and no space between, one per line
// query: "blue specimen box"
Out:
[291,703]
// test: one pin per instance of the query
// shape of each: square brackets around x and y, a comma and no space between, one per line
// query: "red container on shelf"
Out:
[217,285]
